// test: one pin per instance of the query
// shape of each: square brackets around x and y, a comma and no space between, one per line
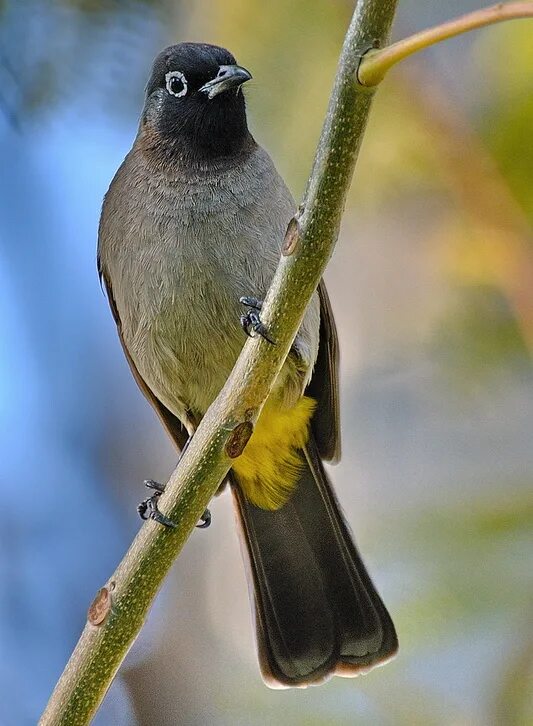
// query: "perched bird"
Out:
[193,221]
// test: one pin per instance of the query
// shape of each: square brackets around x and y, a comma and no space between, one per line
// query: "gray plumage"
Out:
[193,220]
[181,247]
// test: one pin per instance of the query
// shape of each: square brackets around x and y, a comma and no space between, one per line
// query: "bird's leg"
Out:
[250,321]
[148,508]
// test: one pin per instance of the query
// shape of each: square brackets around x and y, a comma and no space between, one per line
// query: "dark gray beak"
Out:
[228,77]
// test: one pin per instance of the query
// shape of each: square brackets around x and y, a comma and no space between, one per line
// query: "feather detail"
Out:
[269,468]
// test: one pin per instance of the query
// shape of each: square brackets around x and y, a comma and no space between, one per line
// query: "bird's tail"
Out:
[317,611]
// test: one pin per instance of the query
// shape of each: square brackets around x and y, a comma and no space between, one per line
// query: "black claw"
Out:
[251,302]
[251,322]
[205,519]
[148,507]
[245,325]
[142,509]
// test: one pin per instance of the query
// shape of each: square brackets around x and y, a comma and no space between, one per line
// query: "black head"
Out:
[194,108]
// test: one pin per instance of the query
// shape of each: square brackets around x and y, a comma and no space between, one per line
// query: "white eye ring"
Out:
[170,77]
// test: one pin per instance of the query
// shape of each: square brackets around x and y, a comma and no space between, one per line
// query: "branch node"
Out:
[367,51]
[238,439]
[372,51]
[100,606]
[292,237]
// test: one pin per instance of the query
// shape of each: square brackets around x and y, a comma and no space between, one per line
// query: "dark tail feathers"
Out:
[317,611]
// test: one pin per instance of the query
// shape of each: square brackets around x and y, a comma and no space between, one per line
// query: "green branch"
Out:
[120,607]
[376,63]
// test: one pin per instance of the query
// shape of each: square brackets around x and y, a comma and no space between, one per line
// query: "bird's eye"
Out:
[176,83]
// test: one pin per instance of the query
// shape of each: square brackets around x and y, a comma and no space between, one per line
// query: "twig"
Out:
[376,63]
[120,607]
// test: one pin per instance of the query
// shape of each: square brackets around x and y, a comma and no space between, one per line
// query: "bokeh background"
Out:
[432,286]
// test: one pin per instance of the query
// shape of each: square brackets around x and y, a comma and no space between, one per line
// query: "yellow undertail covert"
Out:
[269,467]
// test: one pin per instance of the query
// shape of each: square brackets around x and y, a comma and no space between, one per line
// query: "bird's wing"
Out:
[175,429]
[324,385]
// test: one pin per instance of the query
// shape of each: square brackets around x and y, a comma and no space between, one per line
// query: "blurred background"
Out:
[432,286]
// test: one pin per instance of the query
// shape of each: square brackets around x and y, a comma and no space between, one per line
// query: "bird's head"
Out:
[194,106]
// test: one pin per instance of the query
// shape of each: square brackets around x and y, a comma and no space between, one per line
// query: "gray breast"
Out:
[179,254]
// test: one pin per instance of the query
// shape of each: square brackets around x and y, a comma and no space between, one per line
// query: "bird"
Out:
[191,229]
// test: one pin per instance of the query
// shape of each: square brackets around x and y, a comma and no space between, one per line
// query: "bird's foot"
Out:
[251,322]
[148,508]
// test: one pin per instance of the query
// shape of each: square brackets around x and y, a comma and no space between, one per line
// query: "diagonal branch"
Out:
[120,607]
[376,63]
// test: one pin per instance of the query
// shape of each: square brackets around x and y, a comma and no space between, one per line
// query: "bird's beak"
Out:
[227,77]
